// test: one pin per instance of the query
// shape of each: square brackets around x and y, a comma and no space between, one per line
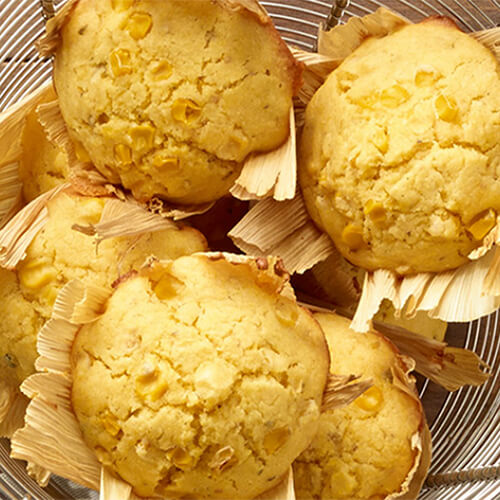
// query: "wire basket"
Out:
[465,425]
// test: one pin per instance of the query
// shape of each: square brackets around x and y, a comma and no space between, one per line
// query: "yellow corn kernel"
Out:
[185,110]
[163,161]
[352,236]
[121,5]
[446,108]
[161,70]
[375,211]
[287,313]
[367,102]
[36,274]
[394,96]
[81,152]
[151,389]
[371,400]
[345,80]
[180,458]
[123,154]
[167,287]
[120,63]
[426,76]
[380,140]
[142,137]
[110,423]
[276,439]
[148,374]
[139,25]
[482,224]
[222,459]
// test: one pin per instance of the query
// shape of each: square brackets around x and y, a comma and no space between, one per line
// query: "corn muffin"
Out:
[57,255]
[169,97]
[362,451]
[400,148]
[210,385]
[43,166]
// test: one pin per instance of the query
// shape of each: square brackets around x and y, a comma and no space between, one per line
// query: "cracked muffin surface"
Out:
[362,451]
[57,255]
[209,386]
[169,97]
[400,154]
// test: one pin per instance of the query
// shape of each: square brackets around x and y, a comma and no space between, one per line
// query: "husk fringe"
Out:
[283,229]
[129,218]
[12,122]
[51,437]
[272,174]
[450,367]
[48,44]
[459,295]
[341,390]
[18,233]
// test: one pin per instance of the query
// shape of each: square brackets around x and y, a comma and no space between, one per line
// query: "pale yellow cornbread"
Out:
[170,97]
[362,451]
[201,381]
[43,166]
[59,254]
[400,154]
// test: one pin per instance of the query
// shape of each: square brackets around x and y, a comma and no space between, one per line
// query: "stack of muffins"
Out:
[198,375]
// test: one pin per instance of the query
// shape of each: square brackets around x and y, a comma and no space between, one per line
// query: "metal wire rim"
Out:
[465,467]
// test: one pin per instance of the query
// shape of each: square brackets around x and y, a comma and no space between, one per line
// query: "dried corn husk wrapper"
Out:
[12,122]
[51,437]
[464,294]
[272,174]
[450,367]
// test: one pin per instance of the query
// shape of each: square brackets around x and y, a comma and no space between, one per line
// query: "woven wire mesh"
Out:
[465,425]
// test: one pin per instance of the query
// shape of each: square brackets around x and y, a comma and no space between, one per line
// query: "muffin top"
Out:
[170,97]
[363,451]
[400,149]
[200,379]
[43,166]
[58,255]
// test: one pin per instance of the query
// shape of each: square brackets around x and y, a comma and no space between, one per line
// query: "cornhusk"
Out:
[457,295]
[125,219]
[465,294]
[283,229]
[450,367]
[272,174]
[48,43]
[251,6]
[342,390]
[12,123]
[51,437]
[18,233]
[13,408]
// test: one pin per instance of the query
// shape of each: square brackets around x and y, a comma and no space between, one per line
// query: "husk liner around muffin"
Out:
[12,122]
[271,174]
[461,295]
[450,367]
[51,437]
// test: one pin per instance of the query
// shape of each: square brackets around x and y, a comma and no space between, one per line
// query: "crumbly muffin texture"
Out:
[59,254]
[400,153]
[43,166]
[209,386]
[170,97]
[362,451]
